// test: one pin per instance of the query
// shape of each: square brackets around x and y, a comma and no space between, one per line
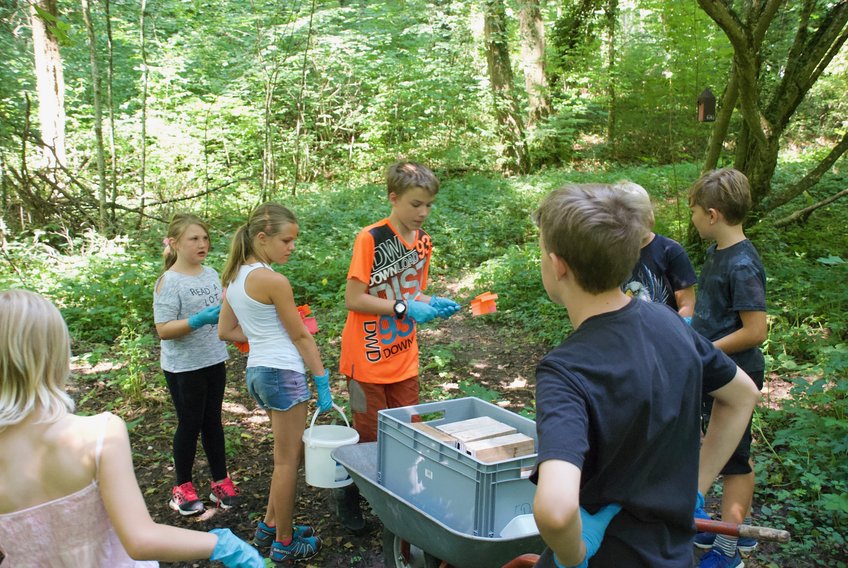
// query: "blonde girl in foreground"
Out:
[259,308]
[69,495]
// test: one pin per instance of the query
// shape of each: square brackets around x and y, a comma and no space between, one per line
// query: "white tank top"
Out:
[270,344]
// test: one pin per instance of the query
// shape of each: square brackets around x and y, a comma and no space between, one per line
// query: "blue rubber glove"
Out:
[445,308]
[421,312]
[234,552]
[206,316]
[594,528]
[700,512]
[325,397]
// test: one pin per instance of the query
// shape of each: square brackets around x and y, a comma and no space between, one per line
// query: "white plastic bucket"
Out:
[319,442]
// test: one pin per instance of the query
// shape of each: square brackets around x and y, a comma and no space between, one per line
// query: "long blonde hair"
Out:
[268,218]
[178,225]
[35,359]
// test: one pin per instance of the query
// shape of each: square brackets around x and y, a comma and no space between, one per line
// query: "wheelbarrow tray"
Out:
[416,527]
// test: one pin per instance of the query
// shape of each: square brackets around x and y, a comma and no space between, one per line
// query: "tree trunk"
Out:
[300,116]
[758,160]
[532,30]
[50,80]
[110,104]
[501,78]
[269,161]
[612,17]
[98,112]
[722,122]
[818,38]
[142,183]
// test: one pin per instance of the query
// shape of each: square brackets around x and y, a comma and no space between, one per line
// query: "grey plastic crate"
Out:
[465,494]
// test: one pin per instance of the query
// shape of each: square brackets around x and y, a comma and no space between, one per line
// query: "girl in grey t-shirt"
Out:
[186,303]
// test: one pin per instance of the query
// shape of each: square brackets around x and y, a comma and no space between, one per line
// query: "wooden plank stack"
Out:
[484,439]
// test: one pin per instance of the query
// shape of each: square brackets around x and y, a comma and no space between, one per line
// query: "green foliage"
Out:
[805,472]
[99,284]
[555,141]
[468,388]
[439,358]
[522,300]
[133,348]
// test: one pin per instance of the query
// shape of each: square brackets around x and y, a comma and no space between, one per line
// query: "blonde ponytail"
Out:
[240,249]
[268,218]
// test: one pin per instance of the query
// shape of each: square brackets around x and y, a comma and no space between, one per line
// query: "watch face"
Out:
[400,308]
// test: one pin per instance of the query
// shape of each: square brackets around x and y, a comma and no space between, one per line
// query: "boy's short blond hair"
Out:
[403,176]
[726,190]
[642,198]
[596,229]
[35,359]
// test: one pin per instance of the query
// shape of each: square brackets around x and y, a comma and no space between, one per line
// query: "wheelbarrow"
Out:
[414,539]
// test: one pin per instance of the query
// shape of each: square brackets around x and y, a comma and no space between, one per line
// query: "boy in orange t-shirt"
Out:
[385,299]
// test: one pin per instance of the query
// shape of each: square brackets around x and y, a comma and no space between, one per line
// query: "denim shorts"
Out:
[276,389]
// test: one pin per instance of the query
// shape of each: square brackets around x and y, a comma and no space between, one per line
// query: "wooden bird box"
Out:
[706,106]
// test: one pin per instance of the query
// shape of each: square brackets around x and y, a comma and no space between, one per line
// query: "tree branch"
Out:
[809,180]
[805,212]
[745,59]
[194,196]
[764,21]
[722,122]
[728,21]
[807,59]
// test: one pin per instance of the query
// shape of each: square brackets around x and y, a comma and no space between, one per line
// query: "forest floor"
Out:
[500,359]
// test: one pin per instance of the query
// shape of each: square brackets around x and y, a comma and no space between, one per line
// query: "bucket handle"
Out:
[315,415]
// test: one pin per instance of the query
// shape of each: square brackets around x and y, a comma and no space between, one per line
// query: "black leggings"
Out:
[197,397]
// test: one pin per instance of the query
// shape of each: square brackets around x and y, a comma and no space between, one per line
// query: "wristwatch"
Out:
[400,309]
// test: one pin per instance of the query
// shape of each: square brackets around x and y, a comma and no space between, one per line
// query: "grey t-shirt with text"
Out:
[180,297]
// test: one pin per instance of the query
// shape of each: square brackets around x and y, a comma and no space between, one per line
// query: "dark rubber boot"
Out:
[348,510]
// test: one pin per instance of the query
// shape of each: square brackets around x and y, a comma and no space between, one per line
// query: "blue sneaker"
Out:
[715,559]
[706,540]
[265,536]
[300,548]
[700,513]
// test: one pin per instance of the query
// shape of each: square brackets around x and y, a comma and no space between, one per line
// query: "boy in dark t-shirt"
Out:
[730,312]
[663,272]
[618,405]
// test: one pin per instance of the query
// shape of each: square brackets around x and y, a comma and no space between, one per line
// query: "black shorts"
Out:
[739,463]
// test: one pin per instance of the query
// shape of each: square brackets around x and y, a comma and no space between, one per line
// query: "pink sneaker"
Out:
[184,500]
[225,494]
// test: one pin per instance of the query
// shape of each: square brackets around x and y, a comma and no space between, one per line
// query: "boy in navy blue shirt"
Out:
[618,402]
[663,272]
[731,312]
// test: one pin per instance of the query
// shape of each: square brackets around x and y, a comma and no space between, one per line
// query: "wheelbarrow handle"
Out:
[751,531]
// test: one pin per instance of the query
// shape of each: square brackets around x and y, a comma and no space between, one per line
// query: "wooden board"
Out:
[476,429]
[500,448]
[434,432]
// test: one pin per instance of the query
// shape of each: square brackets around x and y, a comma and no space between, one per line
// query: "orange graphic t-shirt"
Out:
[384,349]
